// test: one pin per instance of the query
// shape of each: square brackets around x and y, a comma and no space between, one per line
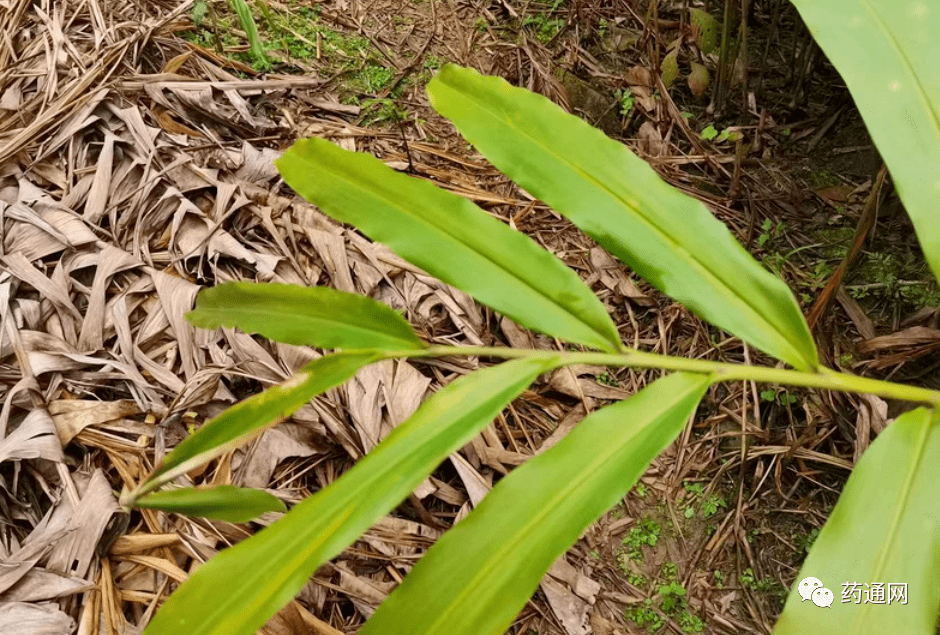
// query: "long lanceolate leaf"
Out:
[222,502]
[887,52]
[252,416]
[238,590]
[310,316]
[451,238]
[475,579]
[251,30]
[884,533]
[669,238]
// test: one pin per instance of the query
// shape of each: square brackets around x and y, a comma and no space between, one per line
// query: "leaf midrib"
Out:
[506,547]
[444,230]
[222,313]
[294,543]
[934,117]
[702,266]
[895,524]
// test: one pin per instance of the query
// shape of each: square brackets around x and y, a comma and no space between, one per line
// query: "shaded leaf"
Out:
[221,502]
[310,316]
[476,578]
[705,29]
[670,67]
[238,590]
[669,238]
[451,238]
[887,54]
[884,529]
[252,416]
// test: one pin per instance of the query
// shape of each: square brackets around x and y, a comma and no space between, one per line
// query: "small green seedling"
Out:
[625,99]
[785,398]
[646,533]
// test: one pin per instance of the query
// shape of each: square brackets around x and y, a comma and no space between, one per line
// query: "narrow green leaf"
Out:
[885,530]
[669,238]
[251,31]
[887,54]
[476,577]
[451,238]
[305,316]
[237,591]
[254,415]
[221,502]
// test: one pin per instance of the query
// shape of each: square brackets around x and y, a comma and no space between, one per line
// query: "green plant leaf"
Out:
[305,316]
[237,591]
[477,576]
[200,9]
[254,415]
[222,502]
[887,54]
[669,68]
[884,529]
[705,29]
[669,238]
[251,30]
[708,133]
[451,238]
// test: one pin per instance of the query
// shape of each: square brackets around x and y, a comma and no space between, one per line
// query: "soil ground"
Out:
[713,535]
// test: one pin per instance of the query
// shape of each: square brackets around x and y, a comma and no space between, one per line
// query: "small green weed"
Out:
[784,397]
[710,133]
[625,99]
[769,231]
[693,488]
[805,541]
[719,577]
[689,622]
[645,616]
[645,534]
[824,178]
[763,585]
[371,78]
[669,571]
[544,26]
[747,578]
[383,111]
[709,505]
[672,597]
[607,379]
[636,579]
[901,277]
[712,504]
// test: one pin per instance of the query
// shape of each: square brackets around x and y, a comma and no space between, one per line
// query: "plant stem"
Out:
[825,378]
